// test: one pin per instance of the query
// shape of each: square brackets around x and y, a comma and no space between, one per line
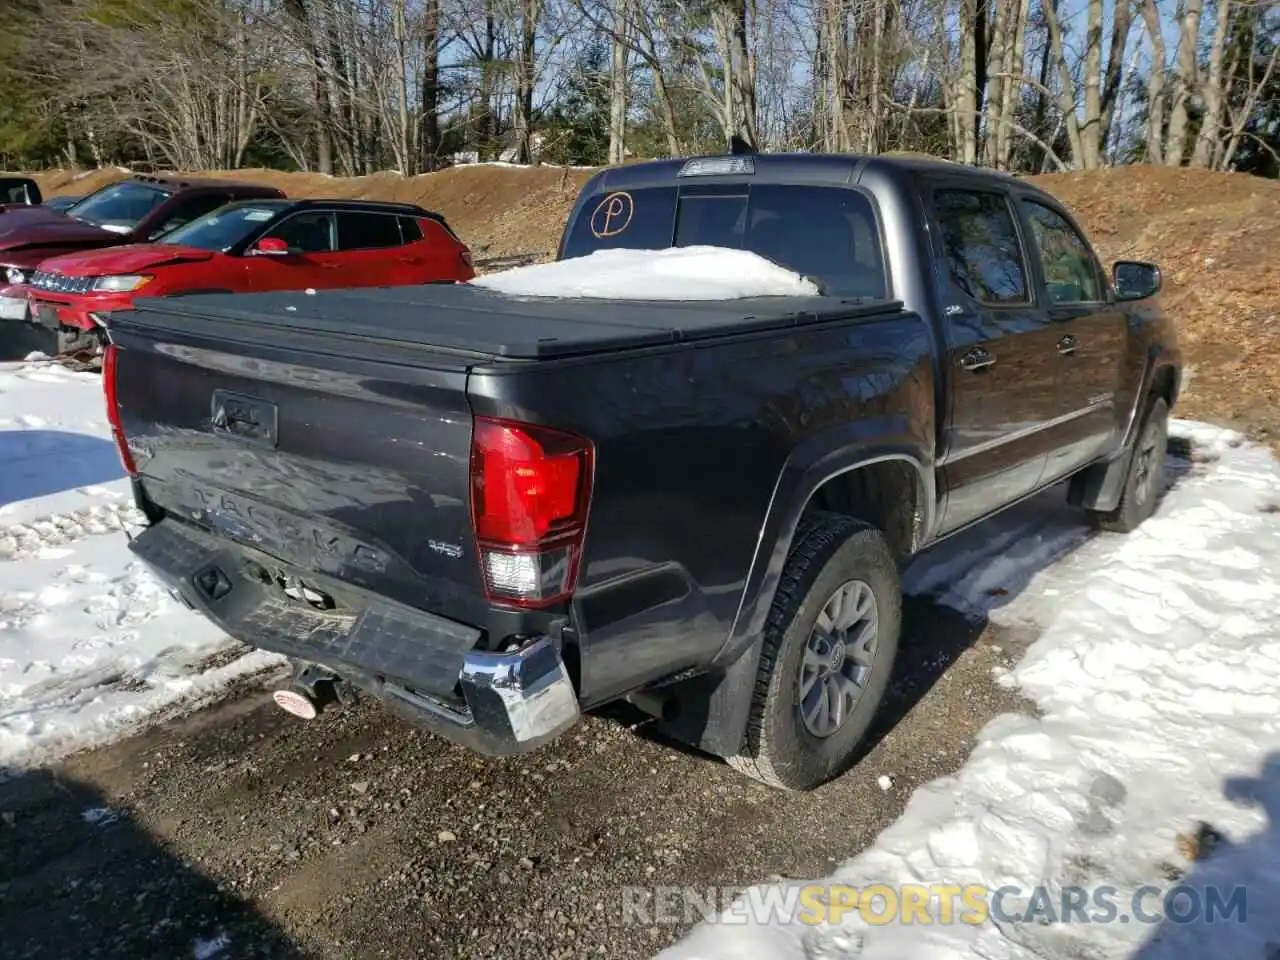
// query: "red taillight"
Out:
[113,407]
[530,491]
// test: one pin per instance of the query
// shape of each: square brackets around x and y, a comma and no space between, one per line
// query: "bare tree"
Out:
[1212,92]
[618,82]
[1155,83]
[738,82]
[1184,80]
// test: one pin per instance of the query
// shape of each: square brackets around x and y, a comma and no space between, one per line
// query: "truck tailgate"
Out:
[353,466]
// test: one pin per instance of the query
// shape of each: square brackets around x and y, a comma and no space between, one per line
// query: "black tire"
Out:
[1142,483]
[778,749]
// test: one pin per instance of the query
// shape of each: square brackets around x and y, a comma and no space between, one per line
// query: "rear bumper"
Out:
[423,666]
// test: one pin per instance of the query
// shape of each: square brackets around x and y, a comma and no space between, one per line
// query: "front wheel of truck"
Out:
[828,652]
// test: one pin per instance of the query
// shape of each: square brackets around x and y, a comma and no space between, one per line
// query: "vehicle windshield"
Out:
[120,206]
[224,228]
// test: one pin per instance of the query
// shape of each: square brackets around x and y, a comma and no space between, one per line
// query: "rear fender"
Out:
[810,466]
[714,705]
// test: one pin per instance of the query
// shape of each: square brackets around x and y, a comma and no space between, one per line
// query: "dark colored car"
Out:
[252,246]
[135,210]
[495,512]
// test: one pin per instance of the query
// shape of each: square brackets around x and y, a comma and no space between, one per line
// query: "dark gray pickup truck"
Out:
[494,512]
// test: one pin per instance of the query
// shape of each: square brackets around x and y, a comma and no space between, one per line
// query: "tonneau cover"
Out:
[472,320]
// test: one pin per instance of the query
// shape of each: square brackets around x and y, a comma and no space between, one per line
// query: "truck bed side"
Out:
[705,455]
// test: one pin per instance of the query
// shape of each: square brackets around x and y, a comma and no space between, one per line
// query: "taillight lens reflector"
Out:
[530,493]
[109,359]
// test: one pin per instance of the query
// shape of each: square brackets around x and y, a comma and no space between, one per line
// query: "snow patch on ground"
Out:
[208,949]
[1157,678]
[90,642]
[99,816]
[680,273]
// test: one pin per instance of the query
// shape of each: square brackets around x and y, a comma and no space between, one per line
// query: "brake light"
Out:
[466,258]
[113,407]
[530,495]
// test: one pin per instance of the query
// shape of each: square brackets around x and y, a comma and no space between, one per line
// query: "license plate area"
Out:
[245,418]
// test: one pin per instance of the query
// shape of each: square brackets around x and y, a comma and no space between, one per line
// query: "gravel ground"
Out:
[243,832]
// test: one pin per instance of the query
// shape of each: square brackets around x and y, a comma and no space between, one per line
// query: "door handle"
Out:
[977,359]
[1067,345]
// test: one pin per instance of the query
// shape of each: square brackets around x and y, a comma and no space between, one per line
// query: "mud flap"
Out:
[1100,487]
[713,708]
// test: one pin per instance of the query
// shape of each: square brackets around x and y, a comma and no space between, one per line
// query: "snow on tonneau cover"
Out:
[332,431]
[678,273]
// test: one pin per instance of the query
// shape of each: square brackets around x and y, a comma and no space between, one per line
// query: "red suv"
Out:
[248,247]
[136,210]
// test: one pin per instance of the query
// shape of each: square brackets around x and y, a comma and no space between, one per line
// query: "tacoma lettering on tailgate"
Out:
[313,545]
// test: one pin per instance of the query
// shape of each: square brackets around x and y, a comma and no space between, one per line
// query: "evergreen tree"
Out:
[576,130]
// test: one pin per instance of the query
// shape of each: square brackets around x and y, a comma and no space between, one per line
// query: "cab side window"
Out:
[980,245]
[367,231]
[1069,268]
[310,232]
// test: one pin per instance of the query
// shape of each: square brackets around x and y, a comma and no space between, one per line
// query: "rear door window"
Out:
[981,246]
[367,231]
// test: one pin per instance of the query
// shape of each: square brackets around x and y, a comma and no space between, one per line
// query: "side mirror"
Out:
[270,247]
[1135,280]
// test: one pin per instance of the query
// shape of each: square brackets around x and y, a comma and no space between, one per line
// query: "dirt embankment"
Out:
[1214,236]
[1213,233]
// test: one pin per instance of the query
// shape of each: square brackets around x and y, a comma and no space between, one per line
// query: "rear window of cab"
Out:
[828,234]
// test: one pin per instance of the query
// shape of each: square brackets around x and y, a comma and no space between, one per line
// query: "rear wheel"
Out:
[1146,468]
[828,652]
